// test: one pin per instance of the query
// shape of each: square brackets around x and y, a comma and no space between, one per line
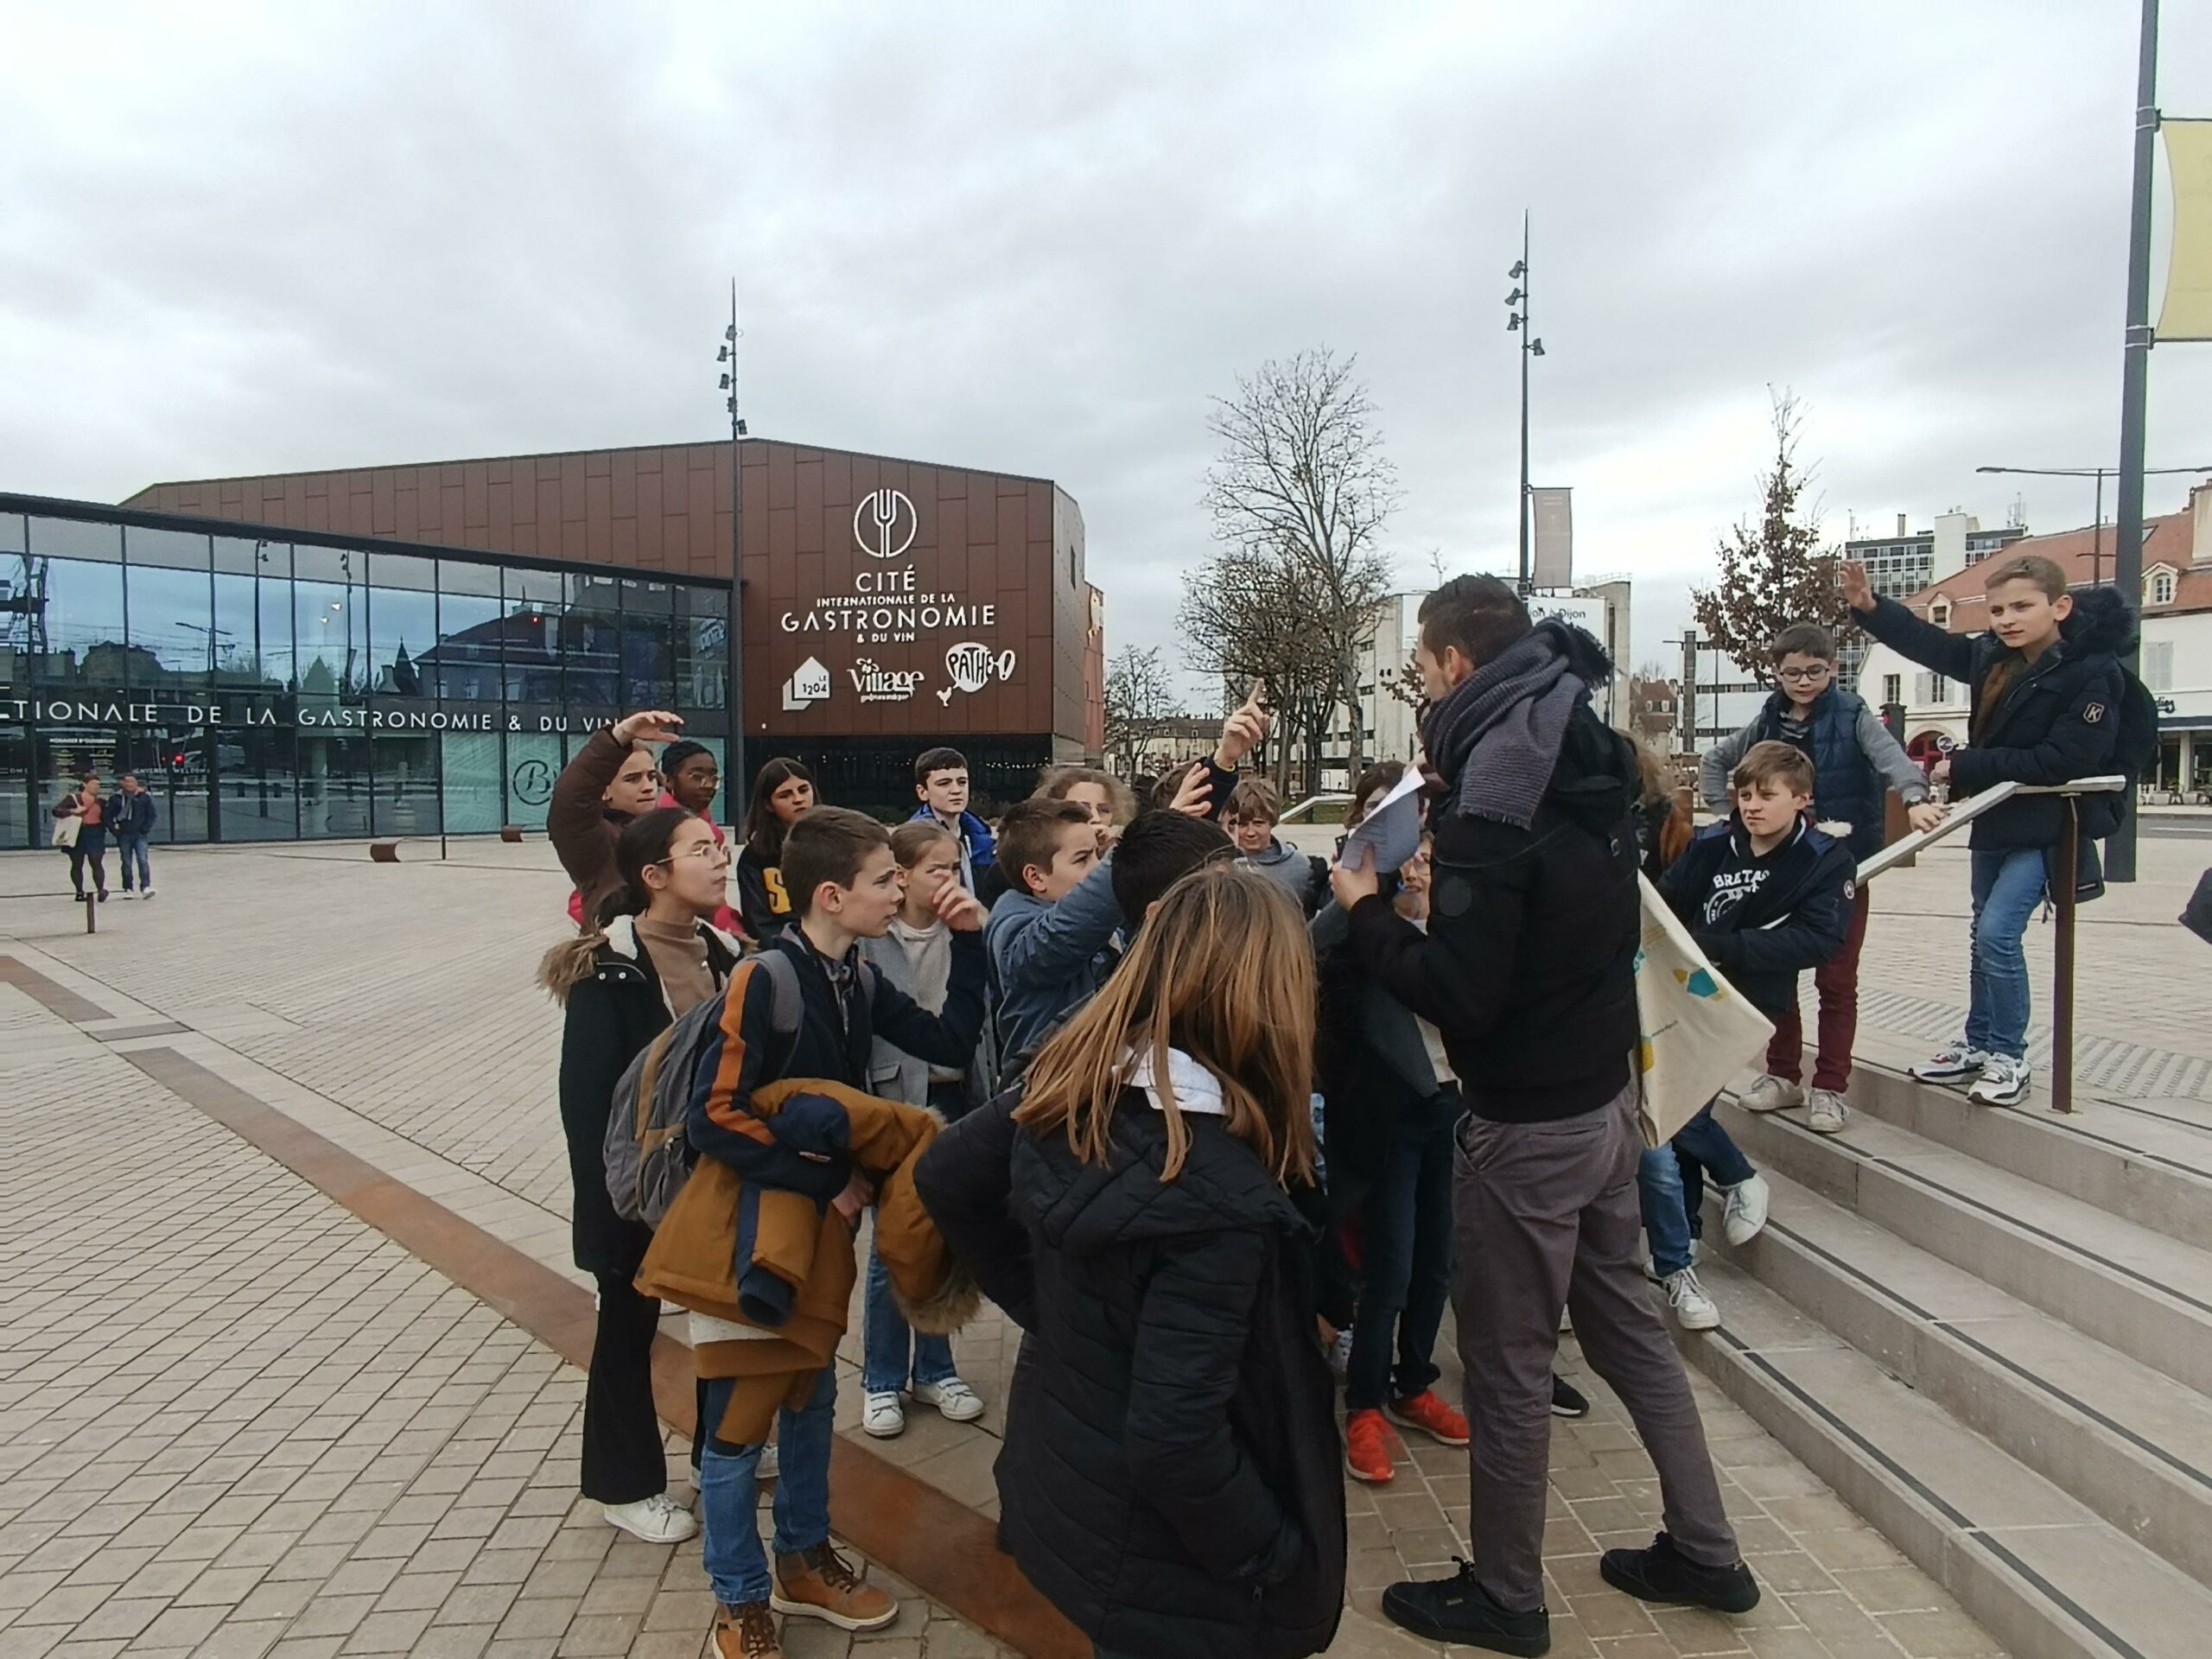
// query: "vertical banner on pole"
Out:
[2187,311]
[1551,513]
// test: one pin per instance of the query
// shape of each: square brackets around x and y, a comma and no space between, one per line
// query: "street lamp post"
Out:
[1518,322]
[734,766]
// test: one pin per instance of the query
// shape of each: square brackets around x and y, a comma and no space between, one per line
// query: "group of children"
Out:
[1772,891]
[1158,1037]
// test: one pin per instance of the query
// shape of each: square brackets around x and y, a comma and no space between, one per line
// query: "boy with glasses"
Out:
[1856,759]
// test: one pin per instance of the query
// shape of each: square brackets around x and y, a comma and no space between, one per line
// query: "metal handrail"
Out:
[2062,898]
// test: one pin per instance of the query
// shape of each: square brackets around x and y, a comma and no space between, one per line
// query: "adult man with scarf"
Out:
[1528,969]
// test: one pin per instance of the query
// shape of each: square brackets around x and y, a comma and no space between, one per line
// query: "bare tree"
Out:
[1301,482]
[1141,701]
[1242,620]
[1773,573]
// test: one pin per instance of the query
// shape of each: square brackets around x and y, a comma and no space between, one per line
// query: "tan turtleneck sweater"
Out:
[679,957]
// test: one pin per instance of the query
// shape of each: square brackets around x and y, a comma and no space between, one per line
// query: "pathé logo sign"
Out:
[884,524]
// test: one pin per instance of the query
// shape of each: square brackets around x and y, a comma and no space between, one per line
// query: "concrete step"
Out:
[2147,1295]
[2130,1443]
[2046,1575]
[2149,1161]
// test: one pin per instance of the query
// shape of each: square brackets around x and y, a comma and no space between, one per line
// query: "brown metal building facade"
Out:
[889,604]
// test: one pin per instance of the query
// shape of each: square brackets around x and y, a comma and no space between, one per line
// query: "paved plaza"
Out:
[290,1341]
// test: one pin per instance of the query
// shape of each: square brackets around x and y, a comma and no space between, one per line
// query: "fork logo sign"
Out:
[884,524]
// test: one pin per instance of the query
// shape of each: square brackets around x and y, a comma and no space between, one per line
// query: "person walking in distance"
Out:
[135,817]
[1527,971]
[1856,760]
[782,794]
[652,958]
[90,808]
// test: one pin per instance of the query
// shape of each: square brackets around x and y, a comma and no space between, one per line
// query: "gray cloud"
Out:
[1037,239]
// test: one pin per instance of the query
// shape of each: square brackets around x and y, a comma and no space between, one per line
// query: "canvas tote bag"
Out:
[1698,1030]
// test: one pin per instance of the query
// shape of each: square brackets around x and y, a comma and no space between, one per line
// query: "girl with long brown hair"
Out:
[1170,1478]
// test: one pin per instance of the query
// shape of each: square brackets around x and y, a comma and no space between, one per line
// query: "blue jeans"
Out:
[1406,1271]
[1702,1147]
[1664,1178]
[2008,885]
[885,1336]
[730,1499]
[133,849]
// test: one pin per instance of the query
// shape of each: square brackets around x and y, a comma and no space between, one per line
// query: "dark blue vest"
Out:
[1846,786]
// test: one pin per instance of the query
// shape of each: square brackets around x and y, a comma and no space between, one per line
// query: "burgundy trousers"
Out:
[1837,984]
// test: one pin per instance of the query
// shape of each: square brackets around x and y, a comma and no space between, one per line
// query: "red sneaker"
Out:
[1432,1416]
[1368,1445]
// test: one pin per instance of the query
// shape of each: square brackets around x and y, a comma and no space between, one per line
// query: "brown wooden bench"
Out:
[383,852]
[510,832]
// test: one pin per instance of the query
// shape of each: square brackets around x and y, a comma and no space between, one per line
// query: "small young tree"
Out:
[1773,573]
[1141,701]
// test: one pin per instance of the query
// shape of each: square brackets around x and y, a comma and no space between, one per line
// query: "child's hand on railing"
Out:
[1924,816]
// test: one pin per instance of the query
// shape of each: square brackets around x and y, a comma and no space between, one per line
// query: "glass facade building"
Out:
[274,684]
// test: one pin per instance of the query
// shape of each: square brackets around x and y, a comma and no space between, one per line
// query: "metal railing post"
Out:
[2061,962]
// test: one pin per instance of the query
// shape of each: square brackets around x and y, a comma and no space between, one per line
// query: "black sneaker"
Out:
[1663,1573]
[1566,1399]
[1459,1609]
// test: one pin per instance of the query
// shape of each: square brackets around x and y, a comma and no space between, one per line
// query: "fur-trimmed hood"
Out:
[617,948]
[2102,619]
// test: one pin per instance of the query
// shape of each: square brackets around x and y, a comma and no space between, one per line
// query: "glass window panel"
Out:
[174,549]
[648,645]
[312,562]
[17,823]
[591,643]
[464,666]
[533,762]
[330,637]
[239,556]
[470,762]
[257,788]
[333,783]
[172,762]
[74,613]
[532,638]
[174,645]
[403,624]
[703,651]
[76,538]
[401,570]
[406,797]
[11,532]
[253,634]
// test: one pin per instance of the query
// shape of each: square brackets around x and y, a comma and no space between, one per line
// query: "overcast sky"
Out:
[1037,238]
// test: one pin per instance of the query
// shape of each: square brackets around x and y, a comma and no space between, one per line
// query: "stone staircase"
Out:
[1991,1332]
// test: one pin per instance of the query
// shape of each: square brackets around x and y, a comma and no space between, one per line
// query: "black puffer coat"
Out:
[1171,1479]
[2055,721]
[614,1007]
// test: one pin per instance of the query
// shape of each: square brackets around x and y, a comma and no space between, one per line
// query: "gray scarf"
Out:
[1498,732]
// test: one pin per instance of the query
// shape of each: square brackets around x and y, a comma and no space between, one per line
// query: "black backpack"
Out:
[649,1156]
[2135,751]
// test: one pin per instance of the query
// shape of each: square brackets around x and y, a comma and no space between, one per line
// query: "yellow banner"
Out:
[2187,313]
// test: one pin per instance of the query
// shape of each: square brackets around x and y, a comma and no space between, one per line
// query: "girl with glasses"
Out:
[652,957]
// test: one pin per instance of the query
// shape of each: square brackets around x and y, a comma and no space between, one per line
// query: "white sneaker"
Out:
[2003,1082]
[882,1416]
[129,894]
[953,1397]
[658,1520]
[1828,1112]
[770,1465]
[1954,1062]
[1744,1213]
[146,895]
[1693,1309]
[1771,1093]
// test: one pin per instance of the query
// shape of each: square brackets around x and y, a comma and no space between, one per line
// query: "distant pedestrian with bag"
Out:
[134,817]
[81,828]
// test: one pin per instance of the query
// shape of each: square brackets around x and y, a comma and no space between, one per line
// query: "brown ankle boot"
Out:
[820,1584]
[747,1632]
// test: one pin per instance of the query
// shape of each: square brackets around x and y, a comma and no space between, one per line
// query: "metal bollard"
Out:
[92,912]
[2061,962]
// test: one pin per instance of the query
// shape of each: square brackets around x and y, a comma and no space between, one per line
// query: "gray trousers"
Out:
[1546,1218]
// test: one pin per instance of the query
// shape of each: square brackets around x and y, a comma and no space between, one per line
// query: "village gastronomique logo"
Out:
[876,683]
